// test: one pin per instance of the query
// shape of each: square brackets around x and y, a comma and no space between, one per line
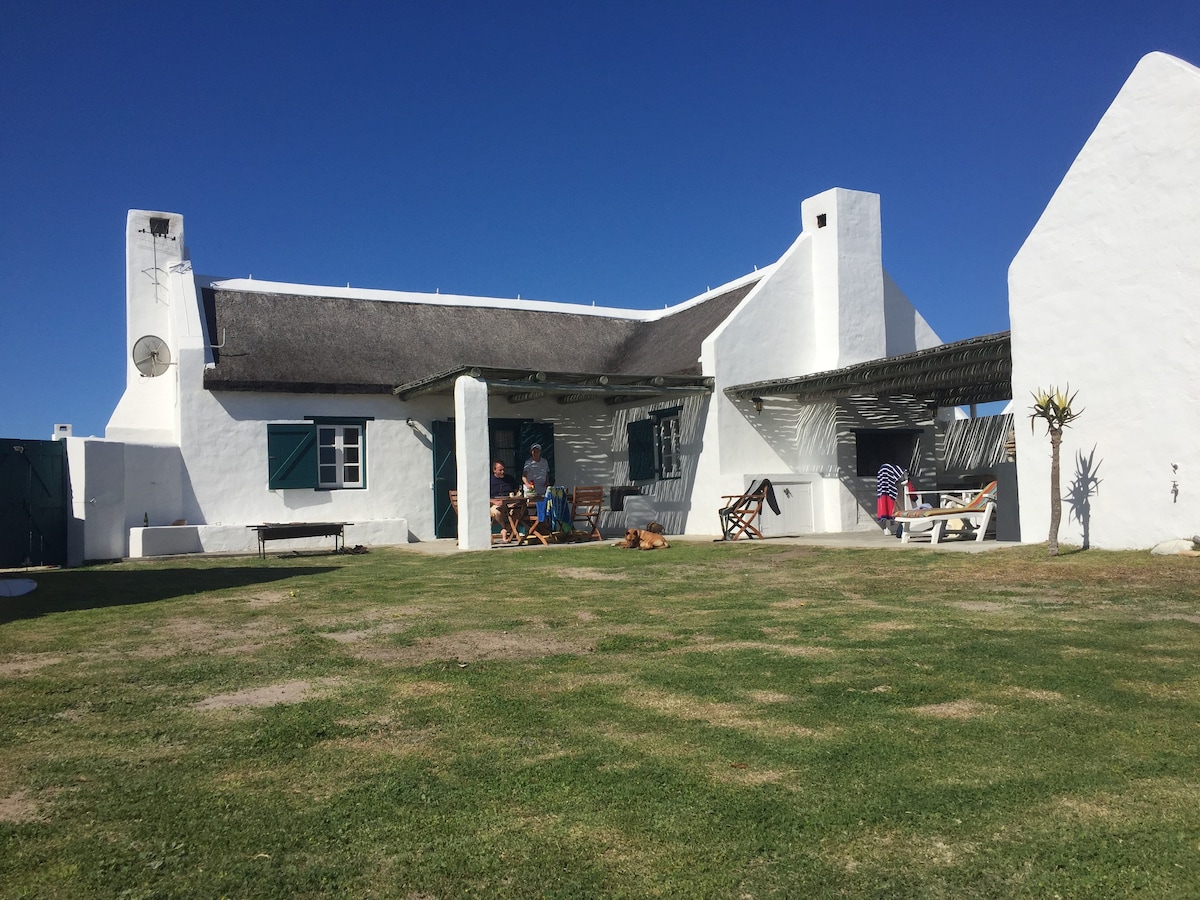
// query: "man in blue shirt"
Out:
[507,510]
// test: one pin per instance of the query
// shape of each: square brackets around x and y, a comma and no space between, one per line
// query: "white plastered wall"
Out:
[185,453]
[825,304]
[1103,296]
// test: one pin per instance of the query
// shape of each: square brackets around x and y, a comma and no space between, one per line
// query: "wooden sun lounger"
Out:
[976,516]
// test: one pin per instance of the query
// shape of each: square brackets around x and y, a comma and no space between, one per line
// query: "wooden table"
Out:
[282,531]
[513,512]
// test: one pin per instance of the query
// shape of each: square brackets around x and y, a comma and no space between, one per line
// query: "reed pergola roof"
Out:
[975,370]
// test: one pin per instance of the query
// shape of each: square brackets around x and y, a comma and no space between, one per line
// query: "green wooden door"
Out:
[33,503]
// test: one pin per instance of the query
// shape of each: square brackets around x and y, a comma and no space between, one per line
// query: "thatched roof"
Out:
[304,343]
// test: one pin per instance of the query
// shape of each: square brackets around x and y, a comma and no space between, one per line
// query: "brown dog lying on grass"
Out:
[636,539]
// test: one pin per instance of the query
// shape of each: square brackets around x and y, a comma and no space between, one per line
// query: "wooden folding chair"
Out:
[495,534]
[585,508]
[742,511]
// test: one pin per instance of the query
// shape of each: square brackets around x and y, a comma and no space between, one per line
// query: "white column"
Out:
[471,453]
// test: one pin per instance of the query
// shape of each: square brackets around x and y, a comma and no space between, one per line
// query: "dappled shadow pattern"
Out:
[98,588]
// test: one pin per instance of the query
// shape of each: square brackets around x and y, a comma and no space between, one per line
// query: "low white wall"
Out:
[170,540]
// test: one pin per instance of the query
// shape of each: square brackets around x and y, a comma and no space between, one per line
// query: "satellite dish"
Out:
[151,355]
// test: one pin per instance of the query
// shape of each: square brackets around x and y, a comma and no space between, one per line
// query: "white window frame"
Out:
[347,459]
[667,454]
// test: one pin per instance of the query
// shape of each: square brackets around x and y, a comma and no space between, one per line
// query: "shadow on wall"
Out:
[670,497]
[1084,486]
[102,587]
[803,435]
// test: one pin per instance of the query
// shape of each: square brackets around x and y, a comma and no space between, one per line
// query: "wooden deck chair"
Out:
[585,508]
[975,517]
[741,512]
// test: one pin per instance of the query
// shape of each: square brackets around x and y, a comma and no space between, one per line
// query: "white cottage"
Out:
[1103,295]
[250,402]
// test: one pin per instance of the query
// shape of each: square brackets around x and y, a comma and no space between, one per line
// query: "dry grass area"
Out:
[714,720]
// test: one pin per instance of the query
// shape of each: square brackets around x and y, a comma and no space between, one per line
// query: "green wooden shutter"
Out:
[641,450]
[291,456]
[445,479]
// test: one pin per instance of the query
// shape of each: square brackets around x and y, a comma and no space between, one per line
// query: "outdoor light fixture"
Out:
[159,227]
[757,401]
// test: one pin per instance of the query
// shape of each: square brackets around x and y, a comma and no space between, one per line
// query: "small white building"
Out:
[1104,295]
[249,402]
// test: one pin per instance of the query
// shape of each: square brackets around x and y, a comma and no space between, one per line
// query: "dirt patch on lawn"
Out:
[744,774]
[583,574]
[353,637]
[722,715]
[956,709]
[1033,694]
[477,646]
[18,808]
[269,598]
[192,635]
[27,664]
[980,606]
[771,647]
[268,695]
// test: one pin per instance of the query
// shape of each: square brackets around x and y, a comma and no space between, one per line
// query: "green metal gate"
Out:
[33,503]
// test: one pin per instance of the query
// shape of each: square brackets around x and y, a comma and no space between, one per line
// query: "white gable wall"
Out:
[1104,295]
[824,305]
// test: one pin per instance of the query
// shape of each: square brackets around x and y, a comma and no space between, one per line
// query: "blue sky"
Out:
[630,154]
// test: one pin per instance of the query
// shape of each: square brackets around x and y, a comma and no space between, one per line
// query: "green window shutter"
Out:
[641,450]
[291,456]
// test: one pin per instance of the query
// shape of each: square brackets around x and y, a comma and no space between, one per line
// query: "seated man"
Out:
[506,509]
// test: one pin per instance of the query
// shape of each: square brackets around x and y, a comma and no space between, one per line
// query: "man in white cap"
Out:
[536,472]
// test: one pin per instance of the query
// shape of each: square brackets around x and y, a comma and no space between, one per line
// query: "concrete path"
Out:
[871,540]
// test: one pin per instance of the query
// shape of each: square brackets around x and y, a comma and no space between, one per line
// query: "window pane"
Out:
[328,456]
[350,436]
[326,436]
[351,475]
[328,475]
[351,454]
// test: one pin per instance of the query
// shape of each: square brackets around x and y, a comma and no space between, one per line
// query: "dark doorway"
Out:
[875,446]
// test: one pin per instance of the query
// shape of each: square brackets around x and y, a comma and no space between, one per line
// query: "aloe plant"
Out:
[1054,407]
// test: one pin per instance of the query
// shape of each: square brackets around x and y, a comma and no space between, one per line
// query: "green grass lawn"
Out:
[711,721]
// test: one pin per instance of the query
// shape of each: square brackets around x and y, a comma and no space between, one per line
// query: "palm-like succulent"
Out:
[1054,408]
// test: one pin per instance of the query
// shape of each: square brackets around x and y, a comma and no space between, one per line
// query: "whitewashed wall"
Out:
[825,304]
[1105,294]
[200,456]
